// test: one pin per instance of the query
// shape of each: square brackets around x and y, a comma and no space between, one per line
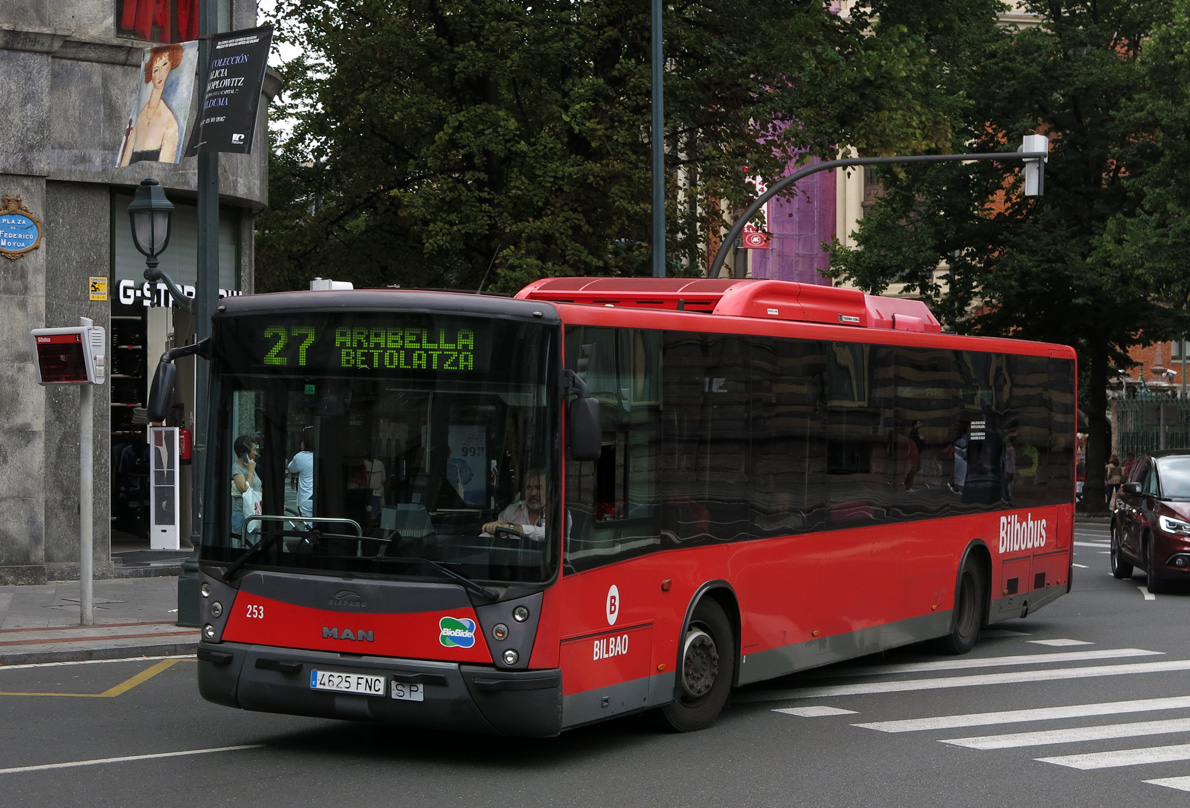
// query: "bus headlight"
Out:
[208,631]
[216,609]
[520,614]
[511,657]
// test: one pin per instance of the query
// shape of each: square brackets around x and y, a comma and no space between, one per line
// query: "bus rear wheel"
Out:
[968,611]
[705,670]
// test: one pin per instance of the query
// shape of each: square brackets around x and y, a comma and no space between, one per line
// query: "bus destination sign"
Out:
[442,348]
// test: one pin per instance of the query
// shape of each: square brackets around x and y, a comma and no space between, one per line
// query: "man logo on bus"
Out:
[613,605]
[456,632]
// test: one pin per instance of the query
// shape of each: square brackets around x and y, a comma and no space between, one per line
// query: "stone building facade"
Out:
[71,73]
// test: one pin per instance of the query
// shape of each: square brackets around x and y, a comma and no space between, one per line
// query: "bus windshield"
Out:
[385,443]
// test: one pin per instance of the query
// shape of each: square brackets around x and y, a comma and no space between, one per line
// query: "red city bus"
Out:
[519,516]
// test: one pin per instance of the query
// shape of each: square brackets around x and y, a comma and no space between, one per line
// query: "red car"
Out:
[1150,524]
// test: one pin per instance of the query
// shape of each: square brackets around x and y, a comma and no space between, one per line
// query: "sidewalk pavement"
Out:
[135,614]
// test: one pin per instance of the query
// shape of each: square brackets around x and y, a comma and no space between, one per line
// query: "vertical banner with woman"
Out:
[159,113]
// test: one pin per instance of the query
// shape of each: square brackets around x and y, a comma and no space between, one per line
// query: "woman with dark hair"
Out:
[154,135]
[244,482]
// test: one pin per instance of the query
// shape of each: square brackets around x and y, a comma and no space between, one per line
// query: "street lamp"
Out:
[150,214]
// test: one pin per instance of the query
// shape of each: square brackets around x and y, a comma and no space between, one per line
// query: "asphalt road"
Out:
[1086,702]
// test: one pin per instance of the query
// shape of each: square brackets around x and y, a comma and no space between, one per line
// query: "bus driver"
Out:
[527,515]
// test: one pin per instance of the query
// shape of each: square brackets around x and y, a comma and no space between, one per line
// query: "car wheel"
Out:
[1119,567]
[1156,584]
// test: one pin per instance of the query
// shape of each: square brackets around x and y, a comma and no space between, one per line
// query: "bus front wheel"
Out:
[706,668]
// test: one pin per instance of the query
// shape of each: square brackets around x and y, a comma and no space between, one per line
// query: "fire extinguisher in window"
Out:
[185,443]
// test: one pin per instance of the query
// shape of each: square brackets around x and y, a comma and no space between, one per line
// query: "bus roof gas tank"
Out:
[752,298]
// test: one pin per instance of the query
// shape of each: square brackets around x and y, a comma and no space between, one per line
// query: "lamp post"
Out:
[150,214]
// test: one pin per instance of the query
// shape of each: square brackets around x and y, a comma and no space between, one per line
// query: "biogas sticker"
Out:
[456,632]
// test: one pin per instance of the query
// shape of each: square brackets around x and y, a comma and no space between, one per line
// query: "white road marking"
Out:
[1081,566]
[991,662]
[1017,740]
[1095,544]
[814,712]
[1022,716]
[1180,783]
[1122,757]
[1144,590]
[982,680]
[4,668]
[128,759]
[1058,643]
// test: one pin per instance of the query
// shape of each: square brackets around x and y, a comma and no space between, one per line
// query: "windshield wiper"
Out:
[309,534]
[473,586]
[477,588]
[259,547]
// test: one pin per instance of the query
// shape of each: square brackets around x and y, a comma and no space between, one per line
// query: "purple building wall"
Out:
[799,226]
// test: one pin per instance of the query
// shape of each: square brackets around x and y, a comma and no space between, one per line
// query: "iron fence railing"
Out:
[1152,421]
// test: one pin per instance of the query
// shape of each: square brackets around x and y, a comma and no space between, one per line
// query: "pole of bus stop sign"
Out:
[86,500]
[206,298]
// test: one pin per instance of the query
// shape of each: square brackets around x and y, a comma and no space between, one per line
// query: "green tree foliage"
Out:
[1083,264]
[487,143]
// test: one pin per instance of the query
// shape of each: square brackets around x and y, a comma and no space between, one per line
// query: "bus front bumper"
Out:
[453,697]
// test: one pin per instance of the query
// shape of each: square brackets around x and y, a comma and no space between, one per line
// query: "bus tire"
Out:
[968,610]
[706,668]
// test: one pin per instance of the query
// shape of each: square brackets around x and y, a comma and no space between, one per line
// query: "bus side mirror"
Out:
[584,429]
[161,392]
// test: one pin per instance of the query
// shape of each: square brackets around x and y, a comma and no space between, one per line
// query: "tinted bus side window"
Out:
[711,438]
[789,446]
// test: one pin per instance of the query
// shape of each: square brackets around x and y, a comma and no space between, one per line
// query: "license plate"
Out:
[364,684]
[408,692]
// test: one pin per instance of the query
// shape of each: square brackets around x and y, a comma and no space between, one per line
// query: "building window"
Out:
[1177,349]
[165,20]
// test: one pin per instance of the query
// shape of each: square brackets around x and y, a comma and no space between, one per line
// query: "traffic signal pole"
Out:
[1034,159]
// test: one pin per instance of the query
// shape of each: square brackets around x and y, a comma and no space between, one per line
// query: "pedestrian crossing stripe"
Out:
[1024,716]
[1180,783]
[978,680]
[1103,732]
[1122,757]
[990,662]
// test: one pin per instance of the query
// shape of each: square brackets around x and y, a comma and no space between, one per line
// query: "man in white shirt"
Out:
[527,515]
[302,465]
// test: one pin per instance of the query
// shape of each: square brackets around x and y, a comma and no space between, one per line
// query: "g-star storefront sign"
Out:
[20,230]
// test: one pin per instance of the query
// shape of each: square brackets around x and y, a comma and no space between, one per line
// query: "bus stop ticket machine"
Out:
[73,355]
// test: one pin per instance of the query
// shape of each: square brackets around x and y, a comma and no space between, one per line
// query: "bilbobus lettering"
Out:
[1016,535]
